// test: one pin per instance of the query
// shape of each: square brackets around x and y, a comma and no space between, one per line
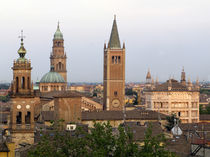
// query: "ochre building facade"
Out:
[180,98]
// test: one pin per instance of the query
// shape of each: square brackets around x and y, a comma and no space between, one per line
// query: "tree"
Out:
[4,98]
[154,146]
[100,141]
[204,111]
[170,121]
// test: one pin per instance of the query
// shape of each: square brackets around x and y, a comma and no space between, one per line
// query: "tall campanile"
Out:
[58,56]
[22,101]
[114,72]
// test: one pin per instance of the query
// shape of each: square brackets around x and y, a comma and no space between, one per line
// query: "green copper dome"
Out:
[20,59]
[52,77]
[58,35]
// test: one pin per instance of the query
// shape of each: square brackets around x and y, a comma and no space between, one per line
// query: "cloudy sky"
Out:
[163,35]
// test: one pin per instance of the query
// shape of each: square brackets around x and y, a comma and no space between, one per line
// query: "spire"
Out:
[156,82]
[169,84]
[148,74]
[197,82]
[183,79]
[183,75]
[197,86]
[148,77]
[189,82]
[22,50]
[58,35]
[114,41]
[58,27]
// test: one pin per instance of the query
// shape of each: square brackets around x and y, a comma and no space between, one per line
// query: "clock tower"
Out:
[114,72]
[22,100]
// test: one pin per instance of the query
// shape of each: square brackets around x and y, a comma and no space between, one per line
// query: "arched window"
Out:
[58,43]
[28,82]
[17,84]
[19,118]
[112,59]
[60,66]
[28,118]
[23,83]
[119,60]
[115,59]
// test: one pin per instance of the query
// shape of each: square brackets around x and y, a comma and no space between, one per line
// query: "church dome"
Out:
[58,35]
[52,77]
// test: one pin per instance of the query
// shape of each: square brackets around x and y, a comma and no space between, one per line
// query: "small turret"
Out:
[169,84]
[148,77]
[189,84]
[123,45]
[156,81]
[153,84]
[183,80]
[197,86]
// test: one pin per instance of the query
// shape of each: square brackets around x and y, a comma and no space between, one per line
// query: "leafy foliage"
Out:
[204,91]
[170,121]
[154,145]
[205,110]
[4,98]
[129,91]
[99,142]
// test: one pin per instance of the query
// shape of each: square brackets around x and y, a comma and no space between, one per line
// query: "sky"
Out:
[160,35]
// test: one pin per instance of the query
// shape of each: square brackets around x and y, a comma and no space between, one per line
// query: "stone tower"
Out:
[114,72]
[58,56]
[183,79]
[22,100]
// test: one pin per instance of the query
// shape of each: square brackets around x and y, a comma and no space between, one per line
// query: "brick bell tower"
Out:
[22,100]
[114,72]
[58,56]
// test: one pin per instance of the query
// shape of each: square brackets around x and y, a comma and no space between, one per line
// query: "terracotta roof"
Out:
[60,94]
[204,116]
[175,86]
[180,146]
[140,130]
[195,126]
[47,115]
[118,115]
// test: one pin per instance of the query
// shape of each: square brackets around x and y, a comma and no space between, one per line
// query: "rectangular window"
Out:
[115,93]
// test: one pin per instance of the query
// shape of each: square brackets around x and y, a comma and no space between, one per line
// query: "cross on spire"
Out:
[21,36]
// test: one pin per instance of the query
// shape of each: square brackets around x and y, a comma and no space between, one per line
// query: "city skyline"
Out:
[161,36]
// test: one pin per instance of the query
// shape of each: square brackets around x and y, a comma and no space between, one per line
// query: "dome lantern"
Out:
[58,35]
